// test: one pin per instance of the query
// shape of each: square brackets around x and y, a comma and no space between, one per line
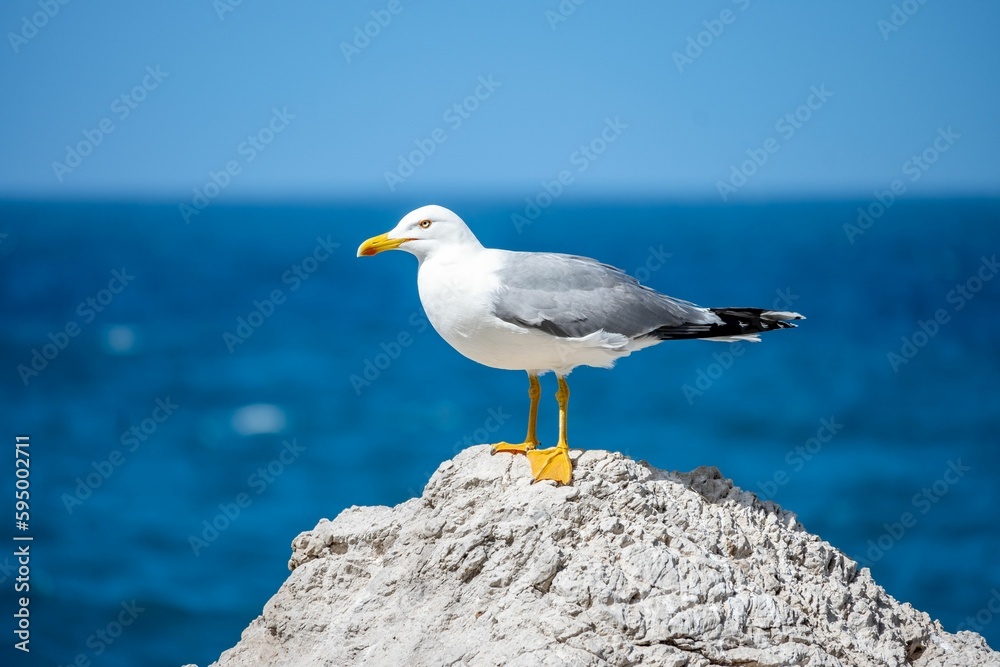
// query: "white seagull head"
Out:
[423,232]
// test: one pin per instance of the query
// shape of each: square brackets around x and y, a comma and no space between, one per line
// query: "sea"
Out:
[193,393]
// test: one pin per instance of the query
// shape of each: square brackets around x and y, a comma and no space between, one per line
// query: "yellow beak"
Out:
[377,244]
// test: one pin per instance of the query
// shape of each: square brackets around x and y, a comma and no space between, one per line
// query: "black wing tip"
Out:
[735,322]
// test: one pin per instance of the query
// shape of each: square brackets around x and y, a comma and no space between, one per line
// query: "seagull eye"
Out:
[424,224]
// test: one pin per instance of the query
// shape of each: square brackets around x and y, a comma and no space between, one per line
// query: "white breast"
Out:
[457,292]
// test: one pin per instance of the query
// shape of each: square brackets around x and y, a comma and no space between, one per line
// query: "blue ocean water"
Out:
[248,371]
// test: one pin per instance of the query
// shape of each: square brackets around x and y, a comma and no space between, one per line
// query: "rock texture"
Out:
[630,566]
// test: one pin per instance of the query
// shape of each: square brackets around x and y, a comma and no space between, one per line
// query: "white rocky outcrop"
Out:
[629,566]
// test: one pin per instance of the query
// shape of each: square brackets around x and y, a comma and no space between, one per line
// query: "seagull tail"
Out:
[736,324]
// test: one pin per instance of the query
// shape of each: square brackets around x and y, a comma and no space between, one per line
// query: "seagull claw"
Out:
[552,463]
[508,448]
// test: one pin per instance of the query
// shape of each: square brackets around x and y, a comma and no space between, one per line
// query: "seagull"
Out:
[540,312]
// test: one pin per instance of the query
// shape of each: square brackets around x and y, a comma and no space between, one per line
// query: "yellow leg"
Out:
[530,440]
[554,463]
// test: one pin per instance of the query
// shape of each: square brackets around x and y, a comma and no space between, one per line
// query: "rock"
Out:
[629,566]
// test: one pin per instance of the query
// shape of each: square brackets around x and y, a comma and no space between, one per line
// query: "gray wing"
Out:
[571,296]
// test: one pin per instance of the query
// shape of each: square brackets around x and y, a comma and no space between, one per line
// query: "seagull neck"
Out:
[454,253]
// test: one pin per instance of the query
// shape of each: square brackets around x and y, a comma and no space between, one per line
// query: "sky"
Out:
[728,100]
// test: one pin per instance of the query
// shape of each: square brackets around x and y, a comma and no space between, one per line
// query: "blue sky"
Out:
[535,90]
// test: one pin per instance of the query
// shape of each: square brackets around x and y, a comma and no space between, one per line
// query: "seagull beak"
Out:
[377,244]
